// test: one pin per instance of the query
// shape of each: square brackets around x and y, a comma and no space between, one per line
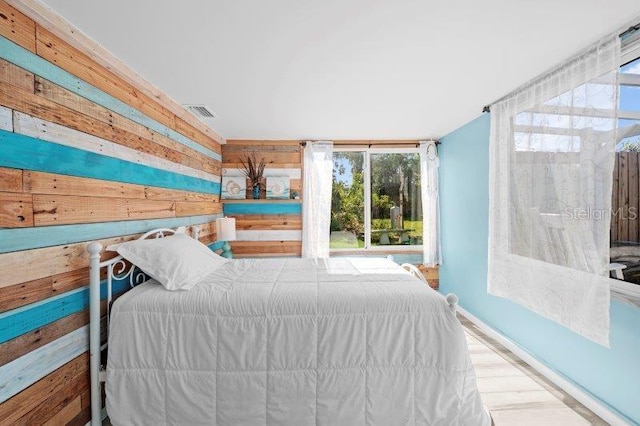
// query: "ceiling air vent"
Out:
[200,111]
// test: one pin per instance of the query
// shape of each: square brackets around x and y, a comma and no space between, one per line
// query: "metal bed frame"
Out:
[116,270]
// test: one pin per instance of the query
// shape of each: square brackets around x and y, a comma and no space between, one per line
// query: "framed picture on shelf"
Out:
[234,188]
[278,187]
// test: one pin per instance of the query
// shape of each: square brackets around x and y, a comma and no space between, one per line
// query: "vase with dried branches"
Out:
[254,171]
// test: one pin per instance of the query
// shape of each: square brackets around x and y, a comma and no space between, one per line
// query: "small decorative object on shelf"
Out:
[234,188]
[256,192]
[295,195]
[254,171]
[278,187]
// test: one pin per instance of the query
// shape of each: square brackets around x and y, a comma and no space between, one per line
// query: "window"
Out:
[376,199]
[625,222]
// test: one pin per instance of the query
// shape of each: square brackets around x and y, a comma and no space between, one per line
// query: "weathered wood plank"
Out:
[16,210]
[68,209]
[72,280]
[14,296]
[266,222]
[18,28]
[6,119]
[431,274]
[192,208]
[49,183]
[86,399]
[81,419]
[18,295]
[66,98]
[16,76]
[24,152]
[266,248]
[10,180]
[111,92]
[67,413]
[12,240]
[207,240]
[295,185]
[153,193]
[28,369]
[20,404]
[111,142]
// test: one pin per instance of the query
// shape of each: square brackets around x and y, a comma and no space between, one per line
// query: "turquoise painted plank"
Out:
[30,317]
[414,259]
[39,66]
[262,208]
[216,245]
[24,152]
[28,369]
[16,239]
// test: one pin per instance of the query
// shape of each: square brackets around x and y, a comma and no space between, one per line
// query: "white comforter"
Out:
[291,342]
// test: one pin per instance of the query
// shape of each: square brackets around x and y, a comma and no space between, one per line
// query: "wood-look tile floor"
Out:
[515,393]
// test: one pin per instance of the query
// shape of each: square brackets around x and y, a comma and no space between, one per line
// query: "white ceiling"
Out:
[343,69]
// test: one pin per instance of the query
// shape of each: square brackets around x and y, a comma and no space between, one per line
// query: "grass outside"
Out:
[350,241]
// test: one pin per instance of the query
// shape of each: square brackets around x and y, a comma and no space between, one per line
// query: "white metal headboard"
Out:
[116,269]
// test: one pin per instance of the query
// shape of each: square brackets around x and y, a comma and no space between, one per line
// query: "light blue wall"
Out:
[611,375]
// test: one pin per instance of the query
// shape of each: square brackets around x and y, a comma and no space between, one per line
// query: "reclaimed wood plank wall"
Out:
[273,228]
[266,228]
[86,154]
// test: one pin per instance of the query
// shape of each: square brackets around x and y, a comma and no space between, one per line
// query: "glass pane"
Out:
[625,207]
[396,207]
[628,124]
[347,201]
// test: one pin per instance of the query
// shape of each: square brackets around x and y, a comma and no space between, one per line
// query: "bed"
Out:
[339,341]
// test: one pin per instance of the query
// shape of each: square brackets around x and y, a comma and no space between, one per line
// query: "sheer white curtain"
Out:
[429,163]
[316,206]
[551,164]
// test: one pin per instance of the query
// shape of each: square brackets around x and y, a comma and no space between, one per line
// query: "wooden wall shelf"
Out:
[261,200]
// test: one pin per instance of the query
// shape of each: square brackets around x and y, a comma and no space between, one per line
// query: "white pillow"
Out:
[178,262]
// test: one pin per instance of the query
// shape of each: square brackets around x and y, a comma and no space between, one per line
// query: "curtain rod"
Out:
[381,144]
[624,35]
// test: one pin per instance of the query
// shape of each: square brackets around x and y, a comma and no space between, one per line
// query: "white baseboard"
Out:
[571,388]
